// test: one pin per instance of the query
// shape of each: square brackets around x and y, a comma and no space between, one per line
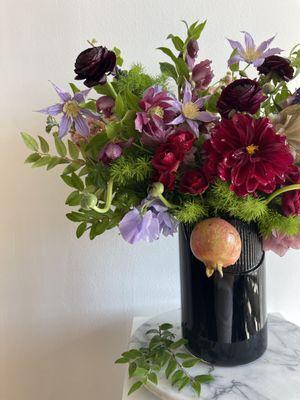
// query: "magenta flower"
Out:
[190,110]
[250,53]
[202,74]
[280,243]
[192,52]
[72,112]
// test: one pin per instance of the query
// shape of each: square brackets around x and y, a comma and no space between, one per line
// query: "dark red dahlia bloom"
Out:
[183,139]
[244,95]
[193,182]
[279,66]
[93,64]
[167,179]
[247,153]
[167,158]
[291,200]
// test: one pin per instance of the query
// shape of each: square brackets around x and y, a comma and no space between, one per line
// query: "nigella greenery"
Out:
[128,169]
[191,211]
[162,354]
[274,221]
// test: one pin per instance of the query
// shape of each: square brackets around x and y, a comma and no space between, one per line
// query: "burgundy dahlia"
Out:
[291,200]
[193,182]
[93,64]
[278,66]
[247,153]
[244,95]
[183,139]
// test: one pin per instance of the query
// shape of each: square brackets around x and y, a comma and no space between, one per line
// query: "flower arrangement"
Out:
[140,157]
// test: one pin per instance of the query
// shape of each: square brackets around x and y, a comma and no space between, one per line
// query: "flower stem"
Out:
[282,190]
[113,93]
[165,201]
[108,200]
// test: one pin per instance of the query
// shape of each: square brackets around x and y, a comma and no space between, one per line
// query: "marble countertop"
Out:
[275,376]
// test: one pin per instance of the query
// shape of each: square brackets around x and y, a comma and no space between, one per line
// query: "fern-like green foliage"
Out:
[222,200]
[128,169]
[278,222]
[191,211]
[136,81]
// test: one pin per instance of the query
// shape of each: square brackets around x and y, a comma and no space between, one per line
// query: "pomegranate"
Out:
[216,243]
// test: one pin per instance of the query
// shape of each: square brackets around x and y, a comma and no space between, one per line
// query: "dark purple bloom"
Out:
[192,52]
[105,104]
[72,112]
[93,64]
[278,66]
[244,95]
[250,53]
[110,152]
[202,74]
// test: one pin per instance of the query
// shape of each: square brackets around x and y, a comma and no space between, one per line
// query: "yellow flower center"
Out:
[251,149]
[190,110]
[71,108]
[251,54]
[159,111]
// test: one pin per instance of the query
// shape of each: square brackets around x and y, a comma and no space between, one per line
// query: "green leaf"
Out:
[98,228]
[172,365]
[60,146]
[119,60]
[177,42]
[73,150]
[119,107]
[183,382]
[177,376]
[81,229]
[132,354]
[73,199]
[74,166]
[55,161]
[169,53]
[178,343]
[131,369]
[132,101]
[190,363]
[169,70]
[73,181]
[41,162]
[44,145]
[183,356]
[135,387]
[104,89]
[152,331]
[165,327]
[29,141]
[74,88]
[32,158]
[77,216]
[140,372]
[121,360]
[113,129]
[204,378]
[234,67]
[196,31]
[197,387]
[182,67]
[153,378]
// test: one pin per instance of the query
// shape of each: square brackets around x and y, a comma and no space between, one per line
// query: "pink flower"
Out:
[280,243]
[202,74]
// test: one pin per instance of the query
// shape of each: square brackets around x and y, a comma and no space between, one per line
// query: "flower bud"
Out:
[157,189]
[268,88]
[88,201]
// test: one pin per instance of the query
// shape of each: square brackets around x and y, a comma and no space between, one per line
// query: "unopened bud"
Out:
[88,201]
[157,189]
[268,88]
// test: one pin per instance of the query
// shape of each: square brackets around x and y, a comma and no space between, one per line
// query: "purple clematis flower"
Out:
[190,110]
[168,225]
[250,53]
[71,110]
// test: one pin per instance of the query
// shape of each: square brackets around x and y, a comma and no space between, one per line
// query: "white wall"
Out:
[66,304]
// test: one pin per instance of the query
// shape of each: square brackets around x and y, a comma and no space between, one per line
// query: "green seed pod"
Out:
[88,201]
[157,189]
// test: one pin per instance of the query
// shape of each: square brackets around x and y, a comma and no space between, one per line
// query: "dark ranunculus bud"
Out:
[191,54]
[93,64]
[278,66]
[105,104]
[193,182]
[244,95]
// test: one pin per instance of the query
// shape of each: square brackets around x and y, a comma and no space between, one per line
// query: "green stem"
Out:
[282,190]
[165,201]
[113,93]
[108,200]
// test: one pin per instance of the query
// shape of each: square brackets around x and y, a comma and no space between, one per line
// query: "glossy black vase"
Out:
[225,319]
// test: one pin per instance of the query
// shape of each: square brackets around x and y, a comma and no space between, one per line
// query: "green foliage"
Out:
[278,222]
[128,169]
[191,211]
[161,355]
[222,200]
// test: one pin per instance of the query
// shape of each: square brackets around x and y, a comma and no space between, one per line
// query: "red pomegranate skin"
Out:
[216,243]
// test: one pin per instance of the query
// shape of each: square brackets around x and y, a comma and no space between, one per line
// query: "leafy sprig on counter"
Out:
[162,355]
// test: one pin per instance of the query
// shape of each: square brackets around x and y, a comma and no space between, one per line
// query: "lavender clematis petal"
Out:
[129,226]
[52,110]
[258,62]
[249,42]
[64,126]
[80,96]
[271,52]
[88,113]
[81,125]
[149,227]
[178,120]
[236,45]
[262,47]
[65,96]
[194,126]
[187,92]
[205,116]
[235,59]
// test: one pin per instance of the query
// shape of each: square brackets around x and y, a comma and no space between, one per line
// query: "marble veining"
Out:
[275,376]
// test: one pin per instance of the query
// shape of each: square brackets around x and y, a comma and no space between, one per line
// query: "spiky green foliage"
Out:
[278,222]
[136,81]
[128,169]
[222,200]
[191,211]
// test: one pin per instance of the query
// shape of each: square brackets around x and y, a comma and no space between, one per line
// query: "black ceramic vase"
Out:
[225,319]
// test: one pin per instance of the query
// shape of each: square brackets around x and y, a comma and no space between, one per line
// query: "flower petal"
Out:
[81,125]
[65,96]
[235,59]
[236,45]
[52,110]
[178,120]
[249,42]
[187,92]
[194,126]
[88,113]
[264,45]
[205,116]
[271,52]
[64,126]
[80,96]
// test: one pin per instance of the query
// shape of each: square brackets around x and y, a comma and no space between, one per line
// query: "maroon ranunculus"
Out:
[105,104]
[193,182]
[247,153]
[202,74]
[291,200]
[241,95]
[167,179]
[167,158]
[183,139]
[93,64]
[278,66]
